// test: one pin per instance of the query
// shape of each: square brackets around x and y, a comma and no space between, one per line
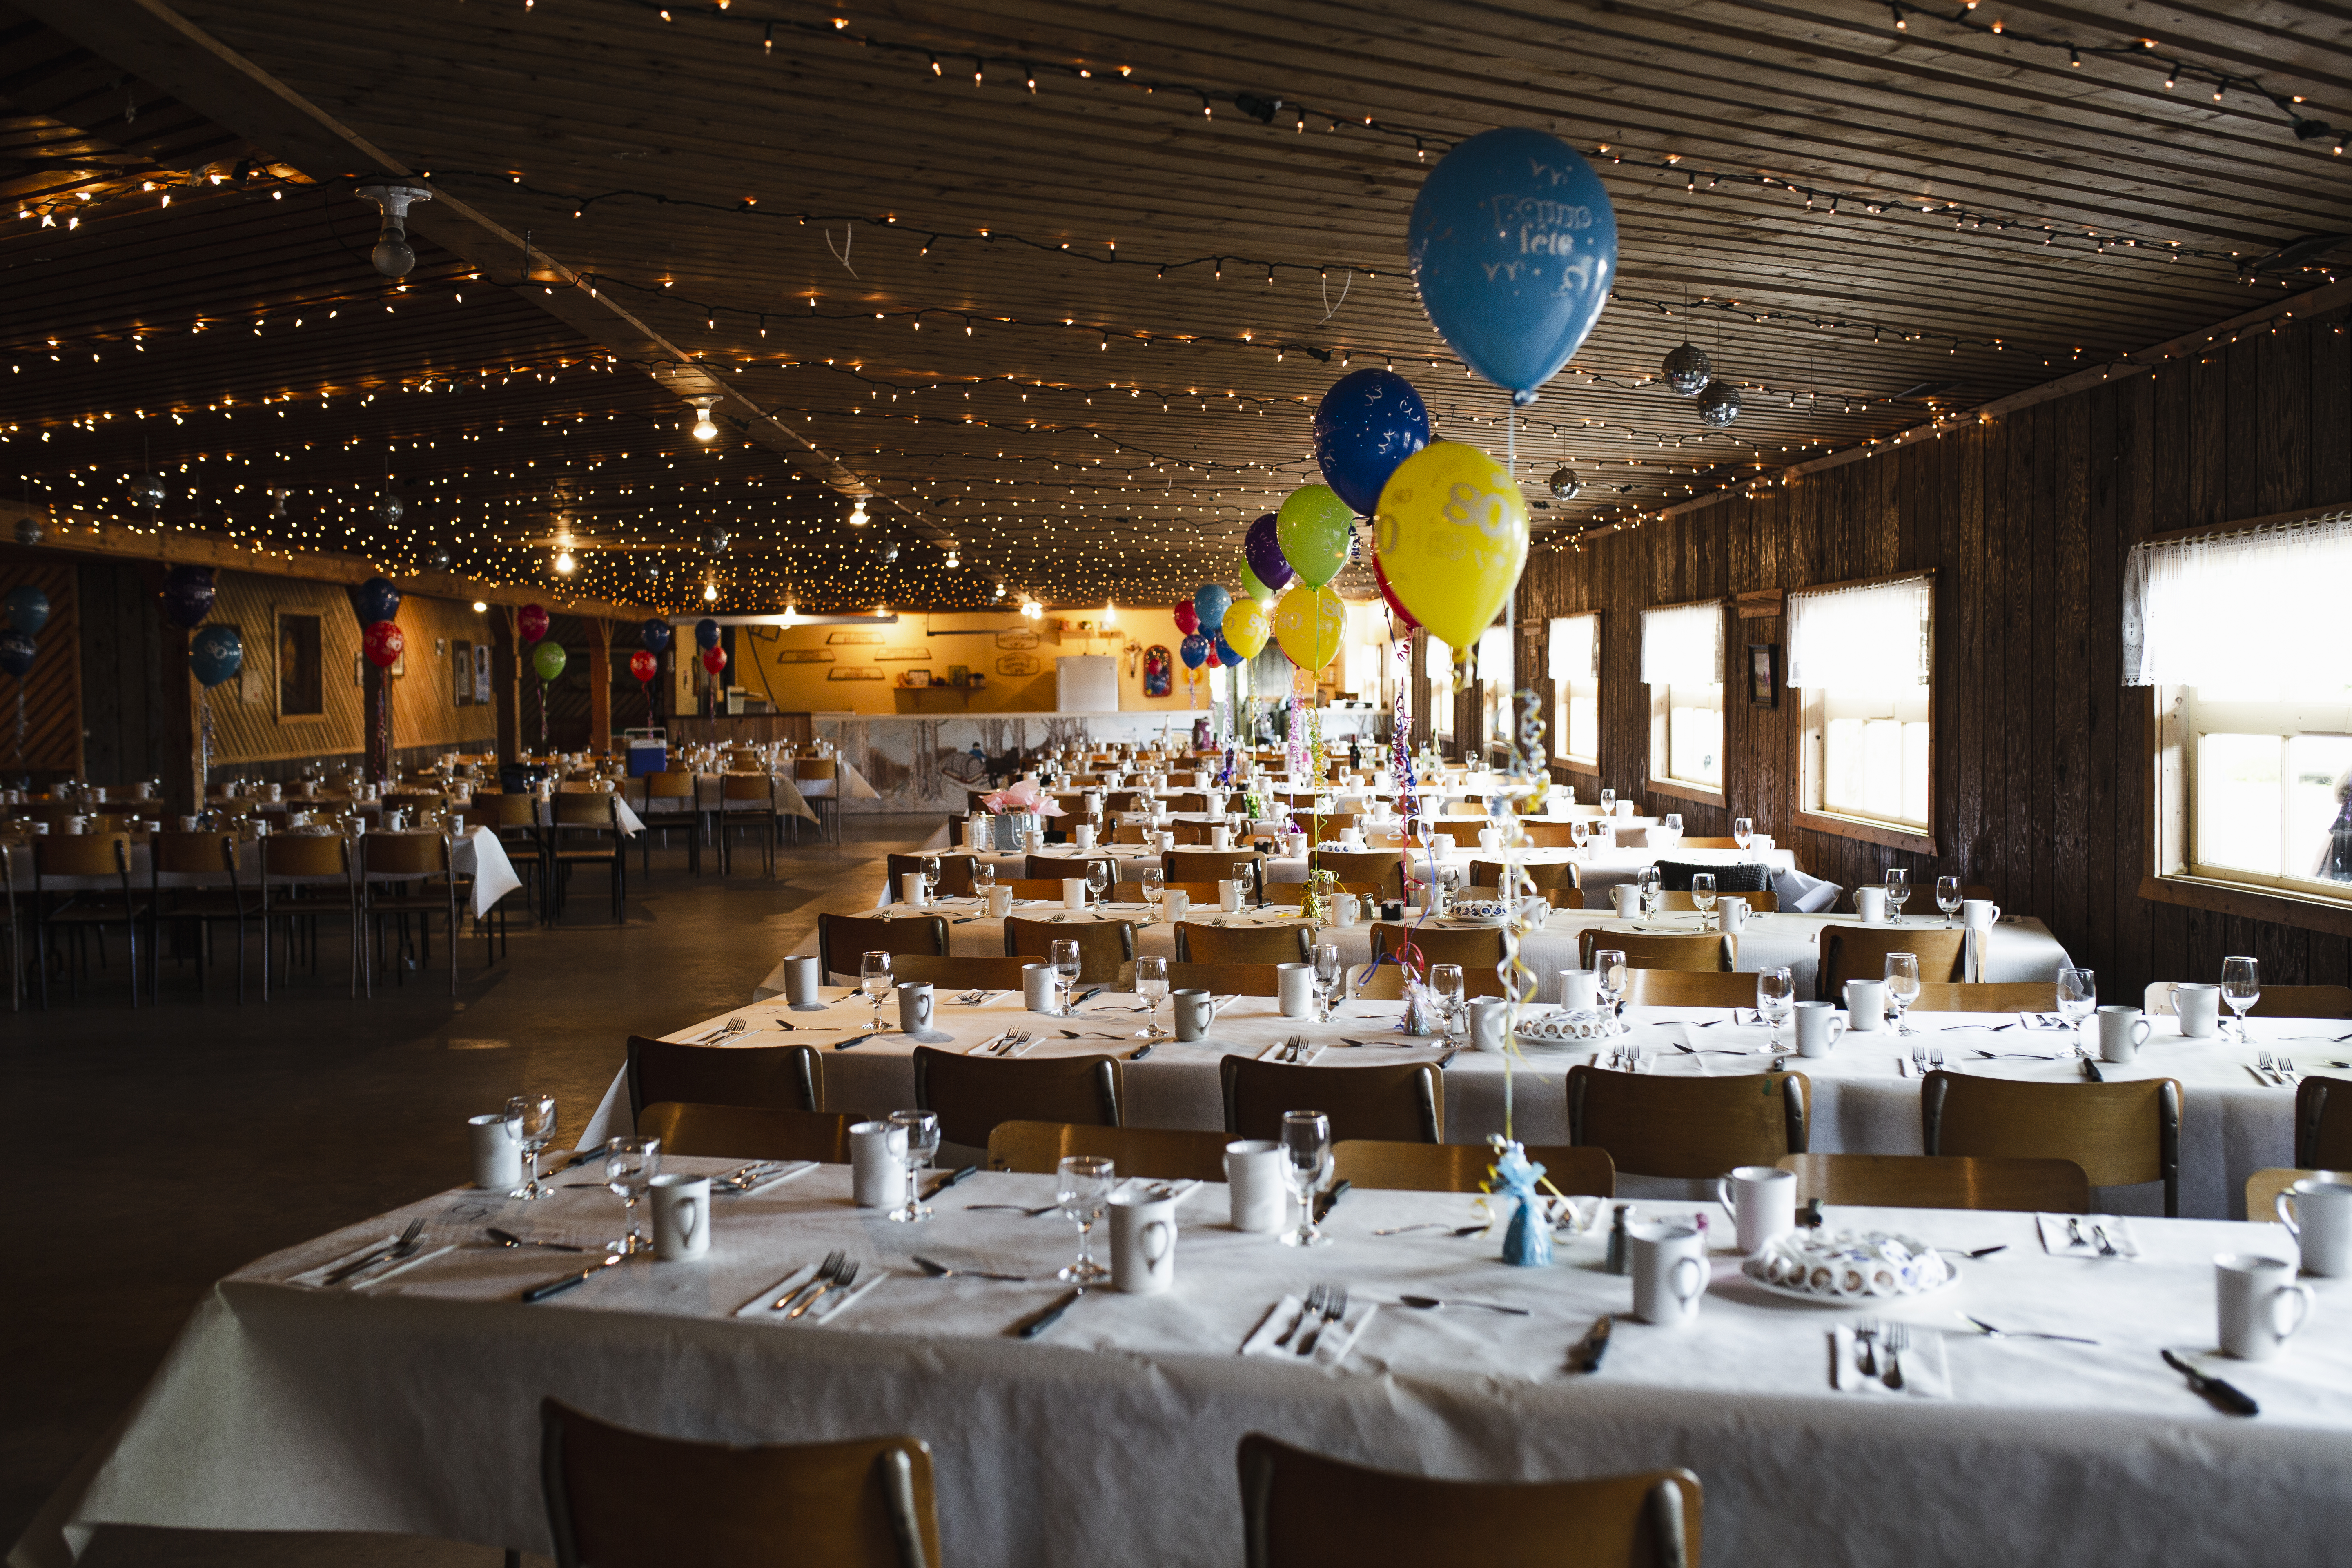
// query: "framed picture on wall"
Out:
[301,679]
[1764,675]
[482,673]
[461,663]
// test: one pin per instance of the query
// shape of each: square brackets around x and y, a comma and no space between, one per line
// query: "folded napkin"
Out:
[1804,895]
[770,1173]
[1926,1375]
[830,1305]
[1331,1346]
[987,1047]
[2058,1242]
[1141,1187]
[1276,1053]
[375,1274]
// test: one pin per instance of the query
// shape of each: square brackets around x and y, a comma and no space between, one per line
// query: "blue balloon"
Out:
[1513,246]
[1368,421]
[215,654]
[16,652]
[377,600]
[706,633]
[1195,651]
[655,636]
[1225,654]
[1211,602]
[27,609]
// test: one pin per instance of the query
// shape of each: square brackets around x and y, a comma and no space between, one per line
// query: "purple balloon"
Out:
[1193,650]
[1264,553]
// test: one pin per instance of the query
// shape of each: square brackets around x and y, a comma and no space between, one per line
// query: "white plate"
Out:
[1750,1267]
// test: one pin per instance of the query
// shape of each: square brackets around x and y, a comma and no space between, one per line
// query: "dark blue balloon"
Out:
[1513,246]
[215,654]
[16,653]
[26,609]
[1211,601]
[187,594]
[377,600]
[655,636]
[1225,654]
[1193,650]
[1368,421]
[706,633]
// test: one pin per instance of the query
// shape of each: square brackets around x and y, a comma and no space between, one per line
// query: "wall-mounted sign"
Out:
[1016,639]
[853,672]
[853,639]
[1018,664]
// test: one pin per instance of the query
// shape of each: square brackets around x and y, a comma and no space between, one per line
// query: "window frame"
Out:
[1813,740]
[1657,766]
[1562,691]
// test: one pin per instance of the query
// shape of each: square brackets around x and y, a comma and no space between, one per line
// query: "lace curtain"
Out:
[1870,636]
[1683,646]
[2249,614]
[1575,647]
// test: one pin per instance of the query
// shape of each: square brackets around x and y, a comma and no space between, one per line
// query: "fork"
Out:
[1919,1059]
[2263,1066]
[1334,1307]
[1898,1340]
[844,1278]
[732,1026]
[1864,1356]
[824,1271]
[1012,1041]
[1315,1296]
[398,1250]
[2286,1069]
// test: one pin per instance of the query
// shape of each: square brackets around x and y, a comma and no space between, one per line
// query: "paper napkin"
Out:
[1331,1346]
[1926,1375]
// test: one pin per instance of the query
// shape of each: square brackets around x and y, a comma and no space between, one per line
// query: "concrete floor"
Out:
[316,1111]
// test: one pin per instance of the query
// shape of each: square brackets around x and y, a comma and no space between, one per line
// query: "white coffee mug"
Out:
[1579,990]
[1254,1182]
[681,1205]
[2254,1294]
[1489,839]
[2121,1032]
[803,980]
[1443,844]
[1731,915]
[1175,905]
[1293,844]
[915,1001]
[1000,902]
[1142,1243]
[498,1152]
[1489,1021]
[1978,914]
[1295,987]
[1870,903]
[1627,898]
[1229,896]
[1624,808]
[1037,987]
[2319,1215]
[1221,836]
[1085,835]
[2198,1006]
[1346,908]
[1351,838]
[878,1164]
[1818,1024]
[1035,840]
[910,889]
[1074,892]
[1763,1204]
[1865,1006]
[1669,1266]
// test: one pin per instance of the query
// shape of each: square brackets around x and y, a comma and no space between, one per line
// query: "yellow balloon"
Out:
[1451,532]
[1246,627]
[1310,623]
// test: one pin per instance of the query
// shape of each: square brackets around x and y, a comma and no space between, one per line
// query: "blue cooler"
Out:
[648,753]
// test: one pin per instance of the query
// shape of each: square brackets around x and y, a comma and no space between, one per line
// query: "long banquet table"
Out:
[412,1406]
[475,852]
[1598,869]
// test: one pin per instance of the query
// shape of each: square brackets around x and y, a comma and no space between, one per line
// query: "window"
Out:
[1682,664]
[1437,664]
[1497,678]
[1861,657]
[1575,669]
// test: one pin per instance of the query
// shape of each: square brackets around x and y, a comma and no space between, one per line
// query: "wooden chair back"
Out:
[1402,1102]
[175,854]
[670,785]
[616,1495]
[746,1132]
[1546,835]
[1383,867]
[1180,803]
[1688,988]
[840,939]
[306,855]
[1300,1509]
[1689,843]
[1243,866]
[776,1078]
[2013,996]
[1546,875]
[2263,1187]
[1226,979]
[1199,943]
[1131,833]
[579,809]
[2323,1123]
[2275,1002]
[1692,1128]
[960,974]
[2119,1133]
[1033,886]
[1477,949]
[1106,948]
[1703,950]
[1038,1147]
[973,1094]
[1465,1167]
[518,810]
[1059,869]
[1183,833]
[404,855]
[955,874]
[816,769]
[1859,952]
[84,855]
[1940,1182]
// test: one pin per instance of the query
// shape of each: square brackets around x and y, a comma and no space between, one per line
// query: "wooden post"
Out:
[375,713]
[502,619]
[184,792]
[600,686]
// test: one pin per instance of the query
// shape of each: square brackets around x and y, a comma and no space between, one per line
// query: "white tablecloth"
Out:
[1602,868]
[413,1407]
[477,853]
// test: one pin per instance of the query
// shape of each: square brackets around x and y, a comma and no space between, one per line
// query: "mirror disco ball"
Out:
[1718,405]
[1686,369]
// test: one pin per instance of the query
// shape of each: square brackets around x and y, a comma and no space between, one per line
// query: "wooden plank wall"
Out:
[53,724]
[2040,780]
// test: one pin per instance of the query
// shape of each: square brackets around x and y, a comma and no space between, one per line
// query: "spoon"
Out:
[941,1271]
[509,1238]
[1428,1303]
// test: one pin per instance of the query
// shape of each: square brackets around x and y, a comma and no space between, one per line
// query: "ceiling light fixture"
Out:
[710,592]
[704,430]
[393,255]
[480,607]
[564,564]
[857,517]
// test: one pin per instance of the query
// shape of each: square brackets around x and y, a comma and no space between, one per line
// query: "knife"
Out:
[852,1040]
[1328,1201]
[950,1180]
[1138,1053]
[1088,996]
[557,1287]
[2226,1397]
[1051,1315]
[1585,1356]
[2090,1071]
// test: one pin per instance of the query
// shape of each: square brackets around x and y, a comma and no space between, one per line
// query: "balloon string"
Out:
[20,718]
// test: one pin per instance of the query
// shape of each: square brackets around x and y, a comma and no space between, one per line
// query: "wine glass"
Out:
[630,1166]
[1151,984]
[874,979]
[1063,955]
[2078,998]
[1743,828]
[983,876]
[1097,881]
[1902,986]
[1673,823]
[1609,979]
[1653,888]
[1082,1184]
[2242,987]
[1306,1161]
[1898,889]
[922,1140]
[1776,994]
[1947,897]
[1155,884]
[1330,979]
[1703,895]
[537,1114]
[1579,834]
[930,870]
[1445,984]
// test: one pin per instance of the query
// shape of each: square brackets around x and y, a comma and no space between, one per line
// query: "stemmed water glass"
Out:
[630,1166]
[1776,994]
[1097,881]
[1947,897]
[983,876]
[1702,896]
[1653,888]
[1579,835]
[1898,889]
[536,1112]
[1673,825]
[930,870]
[1742,829]
[1330,979]
[1445,984]
[1902,986]
[1155,886]
[2078,998]
[1151,984]
[921,1129]
[1063,955]
[1306,1161]
[2242,987]
[1082,1184]
[874,979]
[1608,978]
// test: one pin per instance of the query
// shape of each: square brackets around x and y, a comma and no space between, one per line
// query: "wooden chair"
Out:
[671,786]
[1402,1102]
[1859,952]
[404,874]
[1047,889]
[219,899]
[955,874]
[1217,866]
[99,857]
[1382,868]
[770,1077]
[1301,1509]
[2323,1123]
[515,819]
[818,779]
[1688,987]
[1940,1182]
[1464,1167]
[1038,1147]
[1700,951]
[1243,944]
[973,1094]
[617,1497]
[587,832]
[960,973]
[1687,842]
[2119,1133]
[841,938]
[2263,1187]
[1131,833]
[746,800]
[1556,879]
[1106,948]
[1226,979]
[1177,805]
[2275,1002]
[1544,834]
[294,863]
[2015,997]
[747,1131]
[1477,949]
[1688,1127]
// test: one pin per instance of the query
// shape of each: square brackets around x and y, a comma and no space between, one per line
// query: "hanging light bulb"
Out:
[480,606]
[857,517]
[710,592]
[393,255]
[704,430]
[791,615]
[955,558]
[564,564]
[1110,613]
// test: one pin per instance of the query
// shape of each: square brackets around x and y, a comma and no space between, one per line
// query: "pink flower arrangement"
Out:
[1024,795]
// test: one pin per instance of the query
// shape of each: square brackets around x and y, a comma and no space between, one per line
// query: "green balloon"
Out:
[1313,529]
[547,658]
[1251,587]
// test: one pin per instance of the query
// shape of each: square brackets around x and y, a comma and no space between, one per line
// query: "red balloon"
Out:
[532,622]
[644,666]
[383,644]
[714,659]
[1187,619]
[1213,661]
[1396,607]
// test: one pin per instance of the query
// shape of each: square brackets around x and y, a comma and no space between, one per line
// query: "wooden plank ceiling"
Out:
[1062,283]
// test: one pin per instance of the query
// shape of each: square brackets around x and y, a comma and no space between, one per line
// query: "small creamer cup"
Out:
[1295,989]
[496,1146]
[1253,1185]
[878,1164]
[681,1214]
[1074,892]
[1037,987]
